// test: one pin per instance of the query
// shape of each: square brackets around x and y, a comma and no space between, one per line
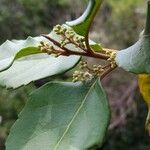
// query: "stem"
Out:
[71,41]
[106,66]
[89,50]
[90,24]
[110,69]
[68,52]
[86,21]
[147,26]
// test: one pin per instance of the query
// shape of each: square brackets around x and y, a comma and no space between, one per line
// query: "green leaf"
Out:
[62,116]
[28,51]
[83,23]
[95,46]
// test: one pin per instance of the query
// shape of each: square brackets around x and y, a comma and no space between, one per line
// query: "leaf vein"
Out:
[74,117]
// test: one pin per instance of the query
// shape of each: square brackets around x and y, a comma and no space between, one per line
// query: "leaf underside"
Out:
[135,59]
[62,116]
[22,62]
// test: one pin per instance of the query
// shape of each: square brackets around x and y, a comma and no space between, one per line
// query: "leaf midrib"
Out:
[74,117]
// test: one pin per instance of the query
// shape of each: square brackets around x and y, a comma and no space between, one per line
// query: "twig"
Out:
[106,66]
[89,50]
[68,52]
[108,71]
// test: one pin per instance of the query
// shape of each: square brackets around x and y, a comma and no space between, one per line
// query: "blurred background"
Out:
[117,26]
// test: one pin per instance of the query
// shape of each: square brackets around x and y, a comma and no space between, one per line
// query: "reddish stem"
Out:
[68,52]
[110,69]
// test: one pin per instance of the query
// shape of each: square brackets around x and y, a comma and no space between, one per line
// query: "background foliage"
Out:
[118,25]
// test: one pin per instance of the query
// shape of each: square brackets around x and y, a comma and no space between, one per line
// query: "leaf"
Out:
[136,58]
[83,23]
[144,84]
[21,70]
[13,50]
[95,46]
[28,51]
[9,50]
[33,68]
[62,116]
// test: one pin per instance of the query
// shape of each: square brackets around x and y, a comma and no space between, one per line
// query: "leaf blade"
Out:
[10,50]
[83,23]
[17,59]
[29,69]
[135,59]
[75,129]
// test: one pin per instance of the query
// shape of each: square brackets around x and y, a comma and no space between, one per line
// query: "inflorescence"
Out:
[86,72]
[49,49]
[111,59]
[68,36]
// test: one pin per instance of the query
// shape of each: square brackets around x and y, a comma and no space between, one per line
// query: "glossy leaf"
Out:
[144,84]
[83,23]
[62,116]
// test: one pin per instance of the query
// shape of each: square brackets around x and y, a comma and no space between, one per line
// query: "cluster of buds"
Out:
[59,30]
[87,72]
[49,49]
[94,70]
[111,59]
[97,69]
[83,65]
[81,76]
[69,36]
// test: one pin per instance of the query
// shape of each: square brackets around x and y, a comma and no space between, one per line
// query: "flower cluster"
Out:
[111,59]
[81,76]
[69,36]
[49,49]
[97,69]
[83,65]
[87,72]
